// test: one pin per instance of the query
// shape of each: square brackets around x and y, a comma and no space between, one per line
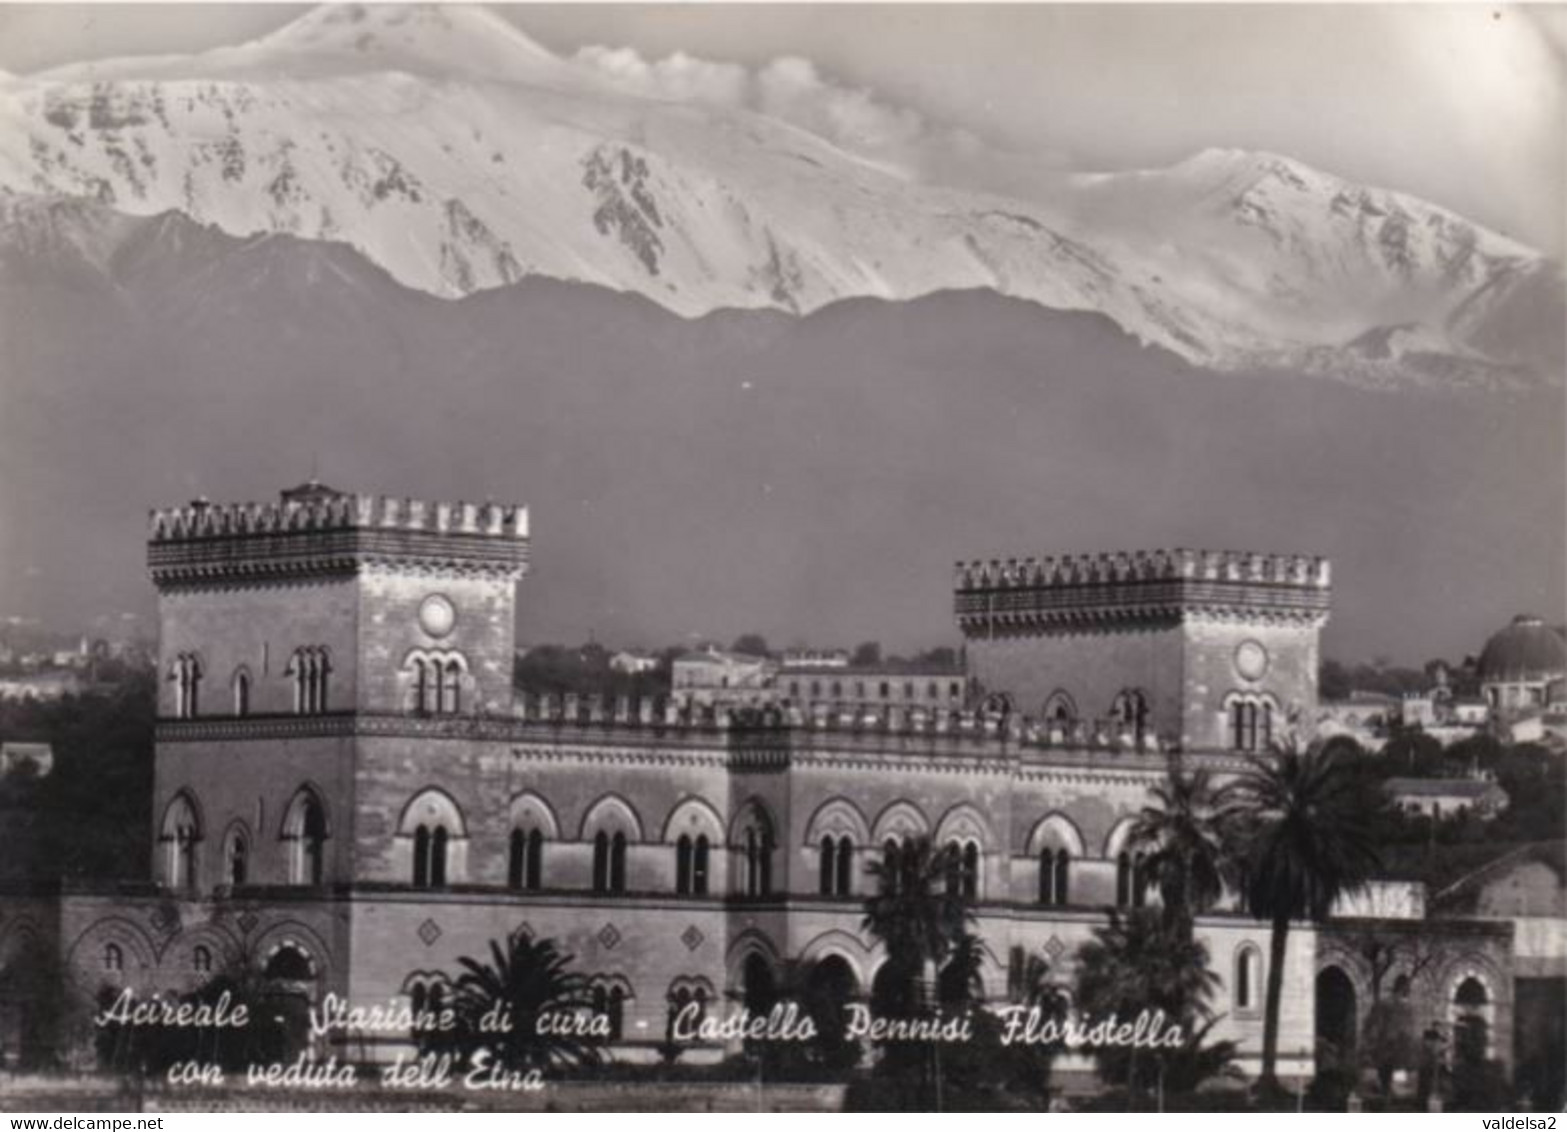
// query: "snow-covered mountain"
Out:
[453,152]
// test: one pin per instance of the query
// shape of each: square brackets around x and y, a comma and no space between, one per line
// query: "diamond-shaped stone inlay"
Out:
[692,937]
[609,936]
[1055,948]
[247,922]
[429,932]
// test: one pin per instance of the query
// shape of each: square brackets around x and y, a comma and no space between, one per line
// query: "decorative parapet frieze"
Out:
[314,531]
[1020,596]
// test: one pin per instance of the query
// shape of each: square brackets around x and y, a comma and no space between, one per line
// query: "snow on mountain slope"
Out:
[458,155]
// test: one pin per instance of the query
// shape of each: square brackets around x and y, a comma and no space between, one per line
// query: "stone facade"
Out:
[1192,650]
[375,805]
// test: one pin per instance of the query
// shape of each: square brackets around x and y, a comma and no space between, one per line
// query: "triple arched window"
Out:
[310,668]
[1251,723]
[186,675]
[436,681]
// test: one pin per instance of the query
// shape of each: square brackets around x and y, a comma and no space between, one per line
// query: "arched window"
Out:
[601,862]
[436,837]
[1131,880]
[758,847]
[609,862]
[201,959]
[1130,711]
[1251,723]
[683,851]
[186,675]
[304,828]
[836,865]
[424,687]
[1059,709]
[312,843]
[892,866]
[1248,972]
[435,682]
[422,858]
[699,865]
[1471,1014]
[963,870]
[236,859]
[617,862]
[1054,873]
[180,834]
[616,1009]
[113,957]
[525,868]
[310,668]
[430,849]
[682,995]
[451,688]
[242,693]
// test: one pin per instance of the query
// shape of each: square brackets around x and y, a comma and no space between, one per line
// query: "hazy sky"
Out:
[1460,103]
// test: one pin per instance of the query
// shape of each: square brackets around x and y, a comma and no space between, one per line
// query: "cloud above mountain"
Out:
[795,90]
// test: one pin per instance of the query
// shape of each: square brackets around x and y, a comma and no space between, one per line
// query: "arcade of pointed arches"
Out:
[711,854]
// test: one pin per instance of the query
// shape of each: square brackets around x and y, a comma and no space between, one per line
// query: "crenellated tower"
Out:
[284,626]
[1207,650]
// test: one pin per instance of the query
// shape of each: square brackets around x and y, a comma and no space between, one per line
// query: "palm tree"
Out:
[1183,833]
[1143,960]
[916,914]
[1305,826]
[524,980]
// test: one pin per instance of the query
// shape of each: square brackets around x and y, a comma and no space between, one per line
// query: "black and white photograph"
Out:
[782,557]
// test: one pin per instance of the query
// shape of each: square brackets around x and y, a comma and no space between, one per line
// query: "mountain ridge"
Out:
[463,170]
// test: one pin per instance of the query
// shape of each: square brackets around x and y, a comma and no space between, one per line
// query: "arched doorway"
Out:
[830,986]
[1336,1016]
[1471,1014]
[759,989]
[288,991]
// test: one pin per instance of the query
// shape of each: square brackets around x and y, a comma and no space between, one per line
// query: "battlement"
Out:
[314,529]
[666,713]
[315,507]
[1145,565]
[1160,586]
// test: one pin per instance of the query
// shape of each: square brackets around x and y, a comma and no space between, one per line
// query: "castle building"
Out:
[349,797]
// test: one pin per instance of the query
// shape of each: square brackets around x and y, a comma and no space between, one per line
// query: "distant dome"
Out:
[1528,649]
